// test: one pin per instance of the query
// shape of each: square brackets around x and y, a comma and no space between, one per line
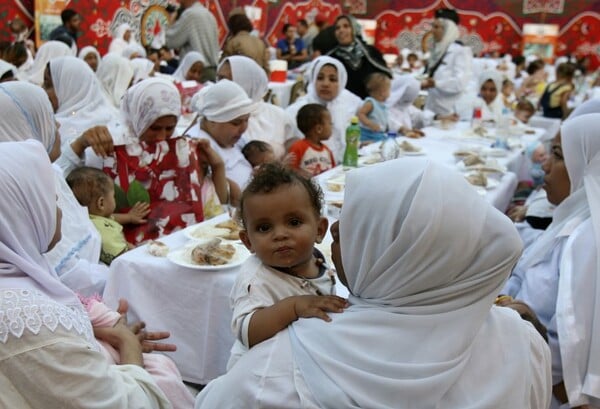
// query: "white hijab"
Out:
[591,106]
[249,75]
[48,51]
[451,34]
[142,68]
[422,286]
[405,89]
[147,101]
[28,213]
[190,59]
[222,102]
[342,108]
[118,43]
[494,109]
[26,113]
[88,49]
[82,104]
[115,74]
[6,67]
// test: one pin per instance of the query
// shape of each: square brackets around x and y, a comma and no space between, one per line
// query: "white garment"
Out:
[118,43]
[142,69]
[268,123]
[222,102]
[88,49]
[591,106]
[451,79]
[115,74]
[81,102]
[401,111]
[6,67]
[342,107]
[237,168]
[259,286]
[48,51]
[493,110]
[450,35]
[190,59]
[420,330]
[147,101]
[134,50]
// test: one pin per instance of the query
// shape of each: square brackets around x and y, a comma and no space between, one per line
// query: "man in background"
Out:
[71,22]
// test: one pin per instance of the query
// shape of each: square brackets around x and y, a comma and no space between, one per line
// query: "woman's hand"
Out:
[428,83]
[517,213]
[207,152]
[98,138]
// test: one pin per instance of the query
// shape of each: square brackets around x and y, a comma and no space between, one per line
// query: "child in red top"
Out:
[310,155]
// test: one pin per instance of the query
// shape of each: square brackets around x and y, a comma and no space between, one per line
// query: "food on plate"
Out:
[157,248]
[335,187]
[472,160]
[212,253]
[463,153]
[409,147]
[480,130]
[233,227]
[477,179]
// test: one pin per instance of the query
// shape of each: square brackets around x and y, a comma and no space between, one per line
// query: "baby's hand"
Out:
[138,213]
[307,306]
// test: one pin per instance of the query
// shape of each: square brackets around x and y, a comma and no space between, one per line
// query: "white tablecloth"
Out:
[192,304]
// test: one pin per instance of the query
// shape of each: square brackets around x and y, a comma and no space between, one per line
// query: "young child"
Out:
[286,278]
[536,152]
[556,95]
[373,113]
[258,153]
[508,93]
[524,110]
[310,155]
[95,190]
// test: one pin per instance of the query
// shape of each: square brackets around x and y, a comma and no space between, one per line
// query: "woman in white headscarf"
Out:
[558,275]
[121,40]
[143,69]
[327,87]
[48,51]
[115,74]
[28,115]
[421,329]
[448,69]
[224,110]
[172,170]
[49,357]
[490,96]
[267,123]
[86,116]
[403,116]
[190,68]
[91,56]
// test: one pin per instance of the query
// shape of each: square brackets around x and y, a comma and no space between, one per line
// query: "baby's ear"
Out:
[246,240]
[100,203]
[322,228]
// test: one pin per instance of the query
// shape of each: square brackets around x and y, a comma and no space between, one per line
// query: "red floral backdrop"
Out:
[487,25]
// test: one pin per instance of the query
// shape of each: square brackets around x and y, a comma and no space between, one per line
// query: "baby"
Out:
[508,93]
[373,113]
[524,110]
[309,155]
[286,277]
[536,152]
[95,190]
[258,153]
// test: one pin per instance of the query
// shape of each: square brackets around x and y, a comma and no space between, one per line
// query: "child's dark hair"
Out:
[88,184]
[565,70]
[254,147]
[535,66]
[375,81]
[309,116]
[271,176]
[524,105]
[507,82]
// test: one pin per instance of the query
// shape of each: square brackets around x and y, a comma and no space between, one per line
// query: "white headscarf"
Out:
[48,51]
[118,43]
[82,104]
[90,50]
[6,67]
[422,289]
[26,113]
[494,109]
[405,89]
[591,106]
[134,48]
[342,108]
[142,68]
[28,213]
[249,75]
[190,59]
[222,102]
[451,34]
[147,101]
[115,74]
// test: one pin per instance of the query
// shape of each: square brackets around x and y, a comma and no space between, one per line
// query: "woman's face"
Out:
[343,32]
[327,83]
[127,35]
[556,182]
[92,60]
[488,91]
[48,86]
[226,134]
[160,130]
[224,72]
[438,30]
[336,253]
[195,72]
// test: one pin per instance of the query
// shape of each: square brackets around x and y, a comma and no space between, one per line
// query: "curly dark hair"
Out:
[88,184]
[309,116]
[239,22]
[271,176]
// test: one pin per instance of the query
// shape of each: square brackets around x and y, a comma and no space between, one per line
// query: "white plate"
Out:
[417,153]
[203,231]
[183,257]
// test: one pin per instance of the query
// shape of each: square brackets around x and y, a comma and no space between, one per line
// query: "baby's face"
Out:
[539,154]
[260,158]
[523,116]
